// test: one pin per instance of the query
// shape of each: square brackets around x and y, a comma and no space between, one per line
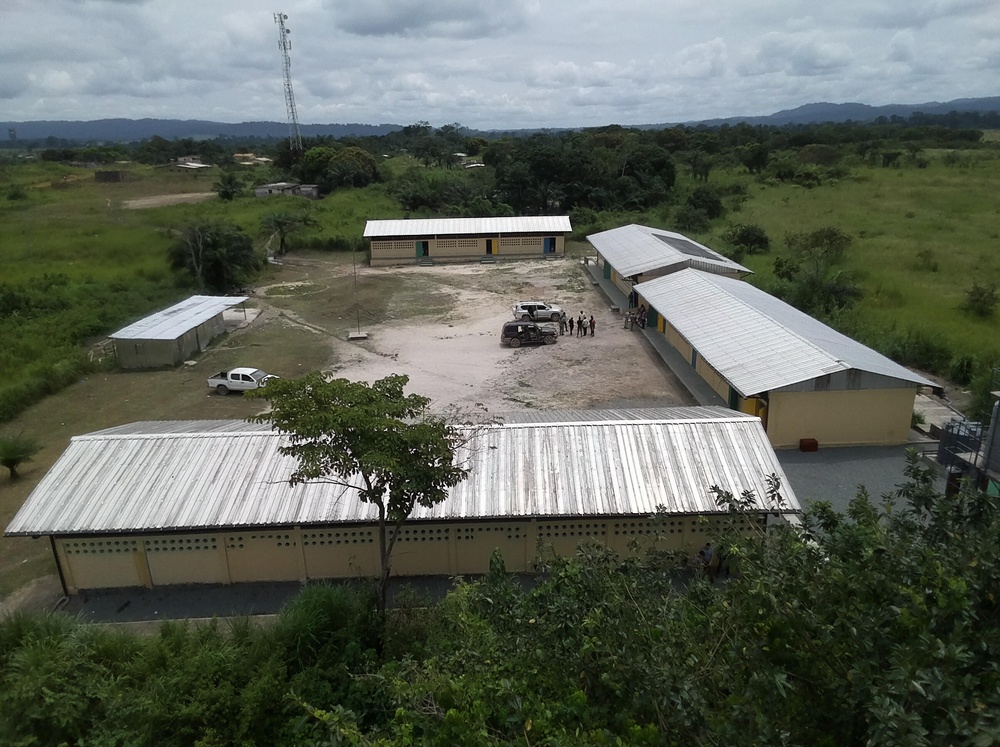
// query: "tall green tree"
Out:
[372,438]
[218,256]
[284,223]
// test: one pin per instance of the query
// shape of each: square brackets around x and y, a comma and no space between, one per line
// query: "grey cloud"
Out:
[449,19]
[797,55]
[907,14]
[902,47]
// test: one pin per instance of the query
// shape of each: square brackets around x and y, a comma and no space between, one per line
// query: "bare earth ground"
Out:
[162,200]
[439,325]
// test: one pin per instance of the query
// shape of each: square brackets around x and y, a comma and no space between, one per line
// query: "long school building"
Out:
[633,254]
[395,242]
[806,381]
[160,503]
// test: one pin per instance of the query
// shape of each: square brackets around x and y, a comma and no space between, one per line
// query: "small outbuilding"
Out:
[430,240]
[171,336]
[810,385]
[160,503]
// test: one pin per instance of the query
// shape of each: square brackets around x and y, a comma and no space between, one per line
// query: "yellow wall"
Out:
[676,340]
[186,559]
[101,563]
[714,378]
[840,418]
[423,548]
[459,248]
[264,556]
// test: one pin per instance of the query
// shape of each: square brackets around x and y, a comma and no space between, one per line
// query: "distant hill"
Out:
[127,130]
[826,112]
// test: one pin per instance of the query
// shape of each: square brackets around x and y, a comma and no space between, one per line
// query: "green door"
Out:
[607,270]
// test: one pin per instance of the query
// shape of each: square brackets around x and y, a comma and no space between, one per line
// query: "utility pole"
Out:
[285,44]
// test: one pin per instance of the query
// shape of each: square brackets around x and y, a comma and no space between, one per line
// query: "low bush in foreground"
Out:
[873,627]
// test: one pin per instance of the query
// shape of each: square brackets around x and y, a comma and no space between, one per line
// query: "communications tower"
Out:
[284,44]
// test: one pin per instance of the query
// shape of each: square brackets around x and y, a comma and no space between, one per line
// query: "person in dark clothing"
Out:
[593,324]
[571,325]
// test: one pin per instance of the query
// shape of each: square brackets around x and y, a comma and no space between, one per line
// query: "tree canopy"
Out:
[218,256]
[373,438]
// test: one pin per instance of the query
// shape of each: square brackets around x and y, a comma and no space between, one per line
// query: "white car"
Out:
[239,380]
[537,311]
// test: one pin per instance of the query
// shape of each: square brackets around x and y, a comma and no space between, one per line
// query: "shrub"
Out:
[749,237]
[15,450]
[688,218]
[981,300]
[707,200]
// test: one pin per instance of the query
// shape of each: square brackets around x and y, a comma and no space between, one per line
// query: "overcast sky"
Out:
[488,63]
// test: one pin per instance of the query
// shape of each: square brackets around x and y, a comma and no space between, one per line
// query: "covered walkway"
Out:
[699,388]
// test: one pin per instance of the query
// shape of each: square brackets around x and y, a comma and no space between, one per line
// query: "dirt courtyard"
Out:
[440,325]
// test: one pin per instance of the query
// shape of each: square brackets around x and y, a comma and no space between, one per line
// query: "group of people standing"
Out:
[580,324]
[637,316]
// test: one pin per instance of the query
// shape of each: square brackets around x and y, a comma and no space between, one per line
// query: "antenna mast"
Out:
[284,44]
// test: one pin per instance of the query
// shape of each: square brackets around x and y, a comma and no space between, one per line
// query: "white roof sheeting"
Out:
[376,229]
[170,476]
[635,249]
[756,341]
[171,323]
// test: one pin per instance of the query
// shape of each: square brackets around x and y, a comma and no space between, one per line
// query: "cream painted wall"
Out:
[460,249]
[423,548]
[840,418]
[714,378]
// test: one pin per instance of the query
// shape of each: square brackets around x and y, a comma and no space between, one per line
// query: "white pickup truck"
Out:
[239,380]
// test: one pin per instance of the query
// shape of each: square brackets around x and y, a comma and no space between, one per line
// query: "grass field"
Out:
[78,265]
[921,238]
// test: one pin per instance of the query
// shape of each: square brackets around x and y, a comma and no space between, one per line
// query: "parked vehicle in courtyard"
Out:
[239,380]
[516,334]
[535,311]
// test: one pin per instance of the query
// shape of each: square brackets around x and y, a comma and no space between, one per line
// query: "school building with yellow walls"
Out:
[182,502]
[430,240]
[806,381]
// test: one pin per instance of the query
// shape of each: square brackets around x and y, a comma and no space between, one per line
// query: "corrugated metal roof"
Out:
[171,323]
[756,341]
[467,226]
[157,479]
[634,249]
[635,413]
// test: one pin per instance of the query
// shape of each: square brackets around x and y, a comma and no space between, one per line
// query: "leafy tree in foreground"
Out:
[374,439]
[218,256]
[15,450]
[874,627]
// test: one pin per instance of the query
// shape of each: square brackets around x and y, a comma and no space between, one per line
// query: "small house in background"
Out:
[171,336]
[287,188]
[429,240]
